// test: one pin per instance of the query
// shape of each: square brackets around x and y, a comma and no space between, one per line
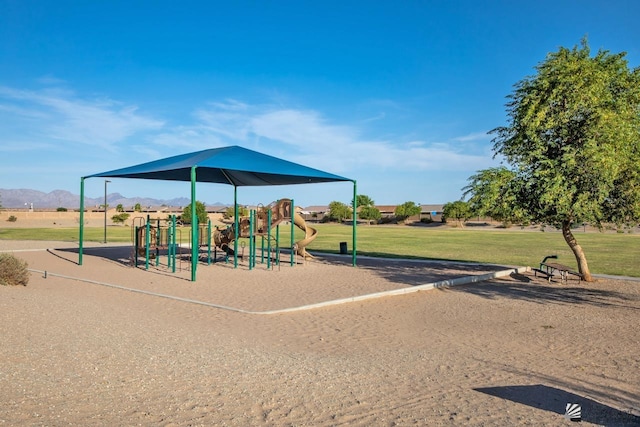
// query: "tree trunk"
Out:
[583,267]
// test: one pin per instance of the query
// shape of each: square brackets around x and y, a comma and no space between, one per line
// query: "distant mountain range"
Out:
[23,198]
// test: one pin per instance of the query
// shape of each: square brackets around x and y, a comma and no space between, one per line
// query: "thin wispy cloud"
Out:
[301,129]
[310,138]
[15,146]
[476,136]
[62,116]
[55,120]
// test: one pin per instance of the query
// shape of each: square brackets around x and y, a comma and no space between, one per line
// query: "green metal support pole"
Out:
[293,212]
[277,245]
[194,226]
[355,221]
[173,243]
[169,242]
[81,236]
[147,234]
[269,239]
[236,226]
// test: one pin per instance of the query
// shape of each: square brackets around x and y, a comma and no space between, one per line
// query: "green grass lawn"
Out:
[607,253]
[91,234]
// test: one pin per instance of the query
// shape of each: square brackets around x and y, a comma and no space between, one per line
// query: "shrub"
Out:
[228,214]
[12,218]
[120,218]
[388,220]
[61,209]
[13,271]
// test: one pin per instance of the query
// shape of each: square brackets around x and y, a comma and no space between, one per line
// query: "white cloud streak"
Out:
[61,116]
[307,137]
[300,135]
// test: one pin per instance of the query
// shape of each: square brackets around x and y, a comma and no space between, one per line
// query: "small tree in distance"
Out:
[458,210]
[367,210]
[369,213]
[201,213]
[363,200]
[406,210]
[338,211]
[231,211]
[120,218]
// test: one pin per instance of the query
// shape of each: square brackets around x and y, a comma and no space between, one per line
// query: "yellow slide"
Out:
[310,234]
[282,210]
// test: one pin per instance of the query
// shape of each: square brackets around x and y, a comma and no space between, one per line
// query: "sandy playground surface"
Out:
[507,351]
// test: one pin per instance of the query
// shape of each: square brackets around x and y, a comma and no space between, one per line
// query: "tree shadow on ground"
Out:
[415,272]
[528,289]
[390,256]
[555,400]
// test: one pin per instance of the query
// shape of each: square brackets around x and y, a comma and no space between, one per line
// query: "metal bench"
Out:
[550,269]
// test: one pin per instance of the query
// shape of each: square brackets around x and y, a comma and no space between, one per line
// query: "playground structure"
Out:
[154,238]
[261,221]
[235,166]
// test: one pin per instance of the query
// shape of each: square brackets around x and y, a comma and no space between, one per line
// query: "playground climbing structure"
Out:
[264,222]
[154,238]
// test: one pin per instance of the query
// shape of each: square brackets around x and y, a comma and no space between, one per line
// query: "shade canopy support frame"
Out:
[153,170]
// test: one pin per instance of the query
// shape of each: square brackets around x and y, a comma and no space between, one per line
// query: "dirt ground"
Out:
[112,344]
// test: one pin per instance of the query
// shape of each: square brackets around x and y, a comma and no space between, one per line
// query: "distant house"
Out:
[152,209]
[314,213]
[216,209]
[432,212]
[173,210]
[386,211]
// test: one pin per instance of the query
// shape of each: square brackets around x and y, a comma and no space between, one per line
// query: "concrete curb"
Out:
[404,291]
[426,287]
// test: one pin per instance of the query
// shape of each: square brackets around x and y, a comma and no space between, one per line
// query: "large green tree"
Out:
[573,139]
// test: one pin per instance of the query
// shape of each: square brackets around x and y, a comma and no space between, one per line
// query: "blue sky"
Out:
[396,95]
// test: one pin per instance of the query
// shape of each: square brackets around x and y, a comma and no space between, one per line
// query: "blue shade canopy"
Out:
[234,165]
